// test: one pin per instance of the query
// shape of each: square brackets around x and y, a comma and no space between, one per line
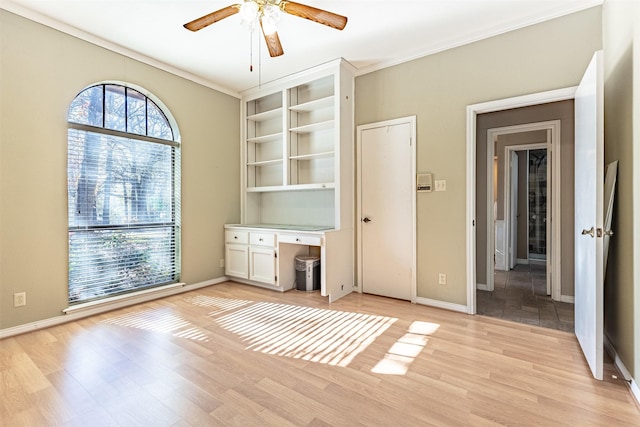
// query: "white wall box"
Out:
[297,171]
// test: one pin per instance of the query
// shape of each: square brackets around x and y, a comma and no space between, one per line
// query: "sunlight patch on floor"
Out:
[317,335]
[404,351]
[221,304]
[162,321]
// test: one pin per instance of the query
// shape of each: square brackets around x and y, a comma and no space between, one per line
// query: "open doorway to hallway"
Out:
[528,276]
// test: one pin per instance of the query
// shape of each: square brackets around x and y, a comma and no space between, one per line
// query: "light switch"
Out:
[441,185]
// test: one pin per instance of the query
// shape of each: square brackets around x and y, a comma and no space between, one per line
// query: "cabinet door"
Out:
[262,265]
[237,261]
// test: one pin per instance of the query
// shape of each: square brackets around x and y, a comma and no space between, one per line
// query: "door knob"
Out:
[589,232]
[366,220]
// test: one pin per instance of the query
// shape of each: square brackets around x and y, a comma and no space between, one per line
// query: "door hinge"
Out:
[276,279]
[275,254]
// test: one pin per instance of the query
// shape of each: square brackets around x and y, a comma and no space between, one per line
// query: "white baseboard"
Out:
[626,375]
[482,286]
[442,304]
[108,306]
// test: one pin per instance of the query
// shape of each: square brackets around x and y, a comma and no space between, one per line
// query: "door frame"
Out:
[512,200]
[472,112]
[411,120]
[508,196]
[554,261]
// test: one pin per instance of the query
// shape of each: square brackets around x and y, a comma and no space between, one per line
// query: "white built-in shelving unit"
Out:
[297,149]
[297,181]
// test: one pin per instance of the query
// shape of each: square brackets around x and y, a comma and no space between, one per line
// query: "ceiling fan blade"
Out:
[218,15]
[273,43]
[320,16]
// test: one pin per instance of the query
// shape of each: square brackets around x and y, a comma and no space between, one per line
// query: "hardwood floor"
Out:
[232,354]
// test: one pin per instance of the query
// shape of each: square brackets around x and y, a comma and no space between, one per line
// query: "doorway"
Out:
[510,184]
[503,114]
[386,208]
[526,207]
[522,198]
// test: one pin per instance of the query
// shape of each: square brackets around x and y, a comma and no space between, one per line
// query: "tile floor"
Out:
[520,296]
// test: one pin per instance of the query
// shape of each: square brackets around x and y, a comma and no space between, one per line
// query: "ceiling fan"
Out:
[266,14]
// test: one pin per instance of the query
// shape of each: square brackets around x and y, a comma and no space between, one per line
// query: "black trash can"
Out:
[307,273]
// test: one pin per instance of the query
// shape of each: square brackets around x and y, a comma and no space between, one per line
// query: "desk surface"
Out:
[283,227]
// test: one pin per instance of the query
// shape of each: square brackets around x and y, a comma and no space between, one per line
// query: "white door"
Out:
[589,183]
[513,210]
[386,183]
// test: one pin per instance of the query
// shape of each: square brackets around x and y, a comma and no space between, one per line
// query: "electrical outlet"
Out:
[221,262]
[442,279]
[19,299]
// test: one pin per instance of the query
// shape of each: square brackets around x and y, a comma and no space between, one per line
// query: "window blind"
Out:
[124,213]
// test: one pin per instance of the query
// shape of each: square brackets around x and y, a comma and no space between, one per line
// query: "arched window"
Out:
[124,193]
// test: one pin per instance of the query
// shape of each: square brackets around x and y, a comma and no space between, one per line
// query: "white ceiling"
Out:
[378,33]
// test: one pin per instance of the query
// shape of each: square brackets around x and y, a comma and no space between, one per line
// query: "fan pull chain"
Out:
[251,51]
[259,64]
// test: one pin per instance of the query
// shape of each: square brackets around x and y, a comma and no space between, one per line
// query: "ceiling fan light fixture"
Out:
[250,12]
[266,13]
[270,17]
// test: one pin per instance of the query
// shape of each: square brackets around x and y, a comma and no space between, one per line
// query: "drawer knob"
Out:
[260,239]
[297,240]
[235,237]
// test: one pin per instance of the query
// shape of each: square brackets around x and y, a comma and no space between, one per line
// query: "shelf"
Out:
[267,115]
[265,138]
[314,127]
[326,154]
[265,162]
[297,187]
[314,105]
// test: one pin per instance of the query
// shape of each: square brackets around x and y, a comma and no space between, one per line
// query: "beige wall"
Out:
[621,38]
[437,89]
[41,71]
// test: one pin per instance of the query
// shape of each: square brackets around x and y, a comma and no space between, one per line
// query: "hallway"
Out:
[520,296]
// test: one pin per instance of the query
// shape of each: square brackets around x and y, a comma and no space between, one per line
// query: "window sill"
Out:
[119,301]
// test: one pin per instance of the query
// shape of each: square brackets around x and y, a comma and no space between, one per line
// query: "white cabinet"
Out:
[251,255]
[262,257]
[267,257]
[297,146]
[262,264]
[237,260]
[237,253]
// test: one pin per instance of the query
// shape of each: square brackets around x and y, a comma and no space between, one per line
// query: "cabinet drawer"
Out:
[262,239]
[236,236]
[300,240]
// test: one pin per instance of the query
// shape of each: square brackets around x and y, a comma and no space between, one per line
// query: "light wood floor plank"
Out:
[233,354]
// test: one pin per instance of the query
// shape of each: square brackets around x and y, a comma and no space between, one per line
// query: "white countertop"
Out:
[283,227]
